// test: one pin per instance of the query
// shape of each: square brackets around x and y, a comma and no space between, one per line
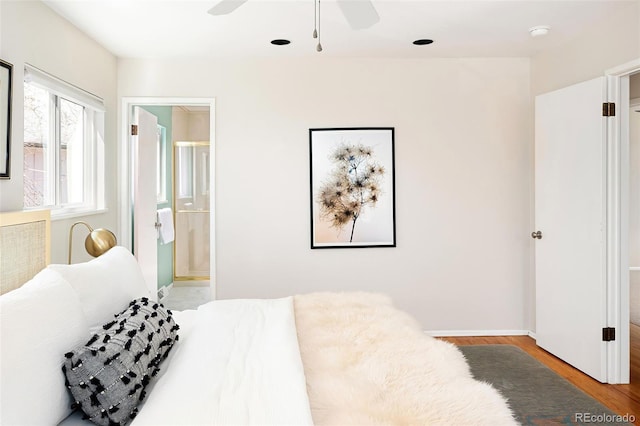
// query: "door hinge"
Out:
[608,334]
[134,130]
[608,109]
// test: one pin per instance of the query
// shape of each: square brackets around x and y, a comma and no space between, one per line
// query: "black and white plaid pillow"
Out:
[107,376]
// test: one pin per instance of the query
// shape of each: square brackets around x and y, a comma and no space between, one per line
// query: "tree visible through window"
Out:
[37,115]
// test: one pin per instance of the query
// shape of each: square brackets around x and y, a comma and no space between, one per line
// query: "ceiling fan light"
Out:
[360,14]
[225,7]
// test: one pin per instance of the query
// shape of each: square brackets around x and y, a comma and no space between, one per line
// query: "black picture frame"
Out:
[352,187]
[6,75]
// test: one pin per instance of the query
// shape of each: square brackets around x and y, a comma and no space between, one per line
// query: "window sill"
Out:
[60,214]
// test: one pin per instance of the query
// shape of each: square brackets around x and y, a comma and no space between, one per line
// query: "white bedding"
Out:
[237,363]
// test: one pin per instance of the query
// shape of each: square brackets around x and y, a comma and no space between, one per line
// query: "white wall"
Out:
[31,32]
[609,42]
[190,126]
[463,161]
[463,150]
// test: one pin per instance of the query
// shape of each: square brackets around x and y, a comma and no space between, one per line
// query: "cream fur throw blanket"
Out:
[367,363]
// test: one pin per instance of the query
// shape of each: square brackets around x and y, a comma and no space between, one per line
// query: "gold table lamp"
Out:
[97,243]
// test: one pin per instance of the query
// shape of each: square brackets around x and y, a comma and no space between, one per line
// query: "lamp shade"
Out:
[99,241]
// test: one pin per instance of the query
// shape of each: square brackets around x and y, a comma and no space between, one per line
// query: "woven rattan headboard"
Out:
[25,248]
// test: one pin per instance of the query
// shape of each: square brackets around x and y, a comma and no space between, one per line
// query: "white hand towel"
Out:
[166,232]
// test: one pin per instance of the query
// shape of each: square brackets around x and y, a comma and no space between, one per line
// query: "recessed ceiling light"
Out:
[422,41]
[280,42]
[539,30]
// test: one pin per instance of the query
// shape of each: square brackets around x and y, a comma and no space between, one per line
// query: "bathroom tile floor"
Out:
[186,297]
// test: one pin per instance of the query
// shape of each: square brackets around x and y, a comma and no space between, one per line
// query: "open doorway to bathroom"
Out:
[171,234]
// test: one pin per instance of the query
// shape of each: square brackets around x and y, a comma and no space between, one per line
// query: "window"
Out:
[63,146]
[161,176]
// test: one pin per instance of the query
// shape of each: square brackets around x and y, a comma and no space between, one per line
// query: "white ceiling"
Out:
[476,28]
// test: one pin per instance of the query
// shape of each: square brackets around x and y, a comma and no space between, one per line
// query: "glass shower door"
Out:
[191,198]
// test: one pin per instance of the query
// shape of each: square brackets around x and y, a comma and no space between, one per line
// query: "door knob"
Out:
[537,234]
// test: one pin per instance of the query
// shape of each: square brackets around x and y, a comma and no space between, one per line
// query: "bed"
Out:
[24,246]
[323,358]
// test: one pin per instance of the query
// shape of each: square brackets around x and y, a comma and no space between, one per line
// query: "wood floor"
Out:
[621,399]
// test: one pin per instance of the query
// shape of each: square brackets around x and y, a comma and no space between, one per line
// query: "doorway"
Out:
[634,228]
[619,215]
[178,120]
[615,356]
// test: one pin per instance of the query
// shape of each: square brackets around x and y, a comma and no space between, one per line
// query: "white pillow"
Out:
[106,284]
[39,323]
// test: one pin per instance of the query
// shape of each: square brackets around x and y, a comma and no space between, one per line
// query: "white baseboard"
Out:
[468,333]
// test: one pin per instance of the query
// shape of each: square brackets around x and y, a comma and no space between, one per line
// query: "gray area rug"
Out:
[536,395]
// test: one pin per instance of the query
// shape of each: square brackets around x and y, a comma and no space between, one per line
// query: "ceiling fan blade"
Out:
[360,14]
[225,7]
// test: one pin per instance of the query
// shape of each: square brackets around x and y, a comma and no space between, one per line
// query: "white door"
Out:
[144,196]
[570,214]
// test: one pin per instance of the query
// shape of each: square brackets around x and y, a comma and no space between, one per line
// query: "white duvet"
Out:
[237,363]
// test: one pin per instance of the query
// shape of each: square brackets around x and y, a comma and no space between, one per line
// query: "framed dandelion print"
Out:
[352,187]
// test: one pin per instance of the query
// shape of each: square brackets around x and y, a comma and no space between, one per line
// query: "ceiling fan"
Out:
[360,14]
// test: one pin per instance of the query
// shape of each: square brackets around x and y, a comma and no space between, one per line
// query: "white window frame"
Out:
[161,196]
[93,155]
